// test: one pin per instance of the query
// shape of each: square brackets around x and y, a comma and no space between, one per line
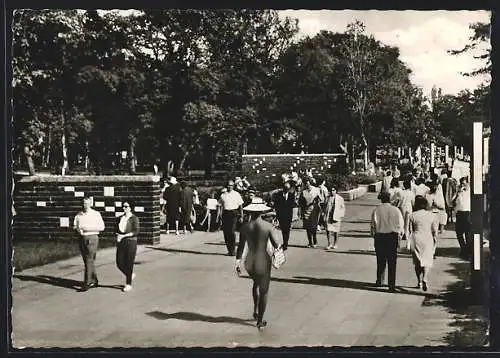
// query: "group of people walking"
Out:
[418,213]
[88,224]
[178,204]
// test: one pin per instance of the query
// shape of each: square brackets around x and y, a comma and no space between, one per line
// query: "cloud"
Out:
[423,38]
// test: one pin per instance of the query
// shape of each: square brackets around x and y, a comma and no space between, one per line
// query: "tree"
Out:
[481,35]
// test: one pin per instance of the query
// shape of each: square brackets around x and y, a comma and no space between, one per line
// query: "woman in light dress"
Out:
[435,202]
[334,212]
[423,230]
[405,201]
[394,191]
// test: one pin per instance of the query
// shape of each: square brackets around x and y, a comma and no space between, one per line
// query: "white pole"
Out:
[433,149]
[477,152]
[446,153]
[486,158]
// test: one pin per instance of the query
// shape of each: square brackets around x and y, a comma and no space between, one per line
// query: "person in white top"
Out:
[394,191]
[463,220]
[420,188]
[231,202]
[211,207]
[334,212]
[387,226]
[405,203]
[88,224]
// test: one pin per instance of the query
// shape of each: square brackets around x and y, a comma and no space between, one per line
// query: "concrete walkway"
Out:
[187,295]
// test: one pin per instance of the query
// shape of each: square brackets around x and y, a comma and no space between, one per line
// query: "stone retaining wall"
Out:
[354,194]
[46,205]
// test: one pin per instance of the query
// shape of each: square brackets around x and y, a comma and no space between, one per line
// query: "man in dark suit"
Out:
[284,202]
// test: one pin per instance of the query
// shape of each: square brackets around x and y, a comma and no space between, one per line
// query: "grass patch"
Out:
[29,254]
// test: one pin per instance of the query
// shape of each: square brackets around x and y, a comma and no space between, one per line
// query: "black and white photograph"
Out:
[227,178]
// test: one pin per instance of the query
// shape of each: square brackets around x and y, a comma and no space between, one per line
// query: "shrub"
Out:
[340,182]
[363,178]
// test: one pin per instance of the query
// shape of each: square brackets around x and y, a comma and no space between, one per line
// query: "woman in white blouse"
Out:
[127,230]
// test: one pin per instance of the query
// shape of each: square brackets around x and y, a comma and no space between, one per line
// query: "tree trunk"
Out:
[64,154]
[63,142]
[182,162]
[86,155]
[208,159]
[365,152]
[133,159]
[47,148]
[351,153]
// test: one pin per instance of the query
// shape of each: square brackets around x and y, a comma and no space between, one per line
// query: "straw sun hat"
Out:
[257,205]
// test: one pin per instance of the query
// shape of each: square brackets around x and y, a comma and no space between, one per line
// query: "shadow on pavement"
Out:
[470,318]
[197,317]
[357,221]
[358,231]
[59,281]
[332,282]
[365,252]
[447,251]
[348,235]
[186,251]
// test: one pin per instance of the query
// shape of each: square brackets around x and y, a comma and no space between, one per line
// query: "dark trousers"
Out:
[386,249]
[228,228]
[463,227]
[88,248]
[125,257]
[285,226]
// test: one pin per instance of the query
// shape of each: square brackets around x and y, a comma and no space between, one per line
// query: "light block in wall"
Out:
[64,222]
[109,191]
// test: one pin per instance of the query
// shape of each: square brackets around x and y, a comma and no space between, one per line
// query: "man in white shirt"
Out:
[463,221]
[88,224]
[387,226]
[231,202]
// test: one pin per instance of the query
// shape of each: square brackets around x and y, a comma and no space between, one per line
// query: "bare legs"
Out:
[259,292]
[335,239]
[422,275]
[255,294]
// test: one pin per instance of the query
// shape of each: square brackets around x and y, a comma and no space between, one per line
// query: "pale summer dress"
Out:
[423,226]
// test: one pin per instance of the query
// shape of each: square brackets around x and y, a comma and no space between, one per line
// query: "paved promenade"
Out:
[187,295]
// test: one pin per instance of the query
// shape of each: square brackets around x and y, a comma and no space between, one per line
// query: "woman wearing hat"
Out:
[256,234]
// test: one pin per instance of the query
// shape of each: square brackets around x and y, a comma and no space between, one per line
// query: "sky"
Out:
[423,38]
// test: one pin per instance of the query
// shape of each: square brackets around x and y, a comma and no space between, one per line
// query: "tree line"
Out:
[198,88]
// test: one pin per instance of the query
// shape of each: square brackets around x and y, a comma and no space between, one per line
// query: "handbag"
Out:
[279,258]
